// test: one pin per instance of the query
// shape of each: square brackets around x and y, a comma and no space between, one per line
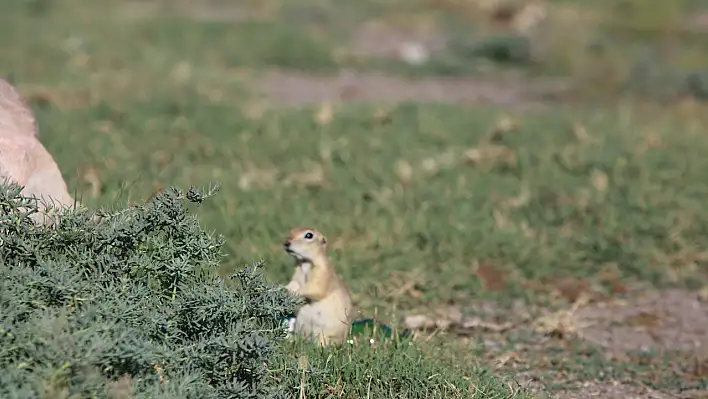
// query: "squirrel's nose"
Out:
[286,244]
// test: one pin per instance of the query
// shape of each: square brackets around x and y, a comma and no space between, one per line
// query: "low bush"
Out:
[129,305]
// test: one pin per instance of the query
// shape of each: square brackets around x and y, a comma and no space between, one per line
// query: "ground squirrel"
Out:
[23,158]
[326,315]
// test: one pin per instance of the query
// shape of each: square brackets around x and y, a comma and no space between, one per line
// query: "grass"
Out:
[413,203]
[357,372]
[626,197]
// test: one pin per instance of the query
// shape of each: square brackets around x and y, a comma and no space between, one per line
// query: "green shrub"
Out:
[128,305]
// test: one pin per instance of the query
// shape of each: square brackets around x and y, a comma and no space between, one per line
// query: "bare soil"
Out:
[654,320]
[612,390]
[378,39]
[647,321]
[291,88]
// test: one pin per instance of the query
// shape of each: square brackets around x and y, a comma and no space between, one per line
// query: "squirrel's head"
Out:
[305,244]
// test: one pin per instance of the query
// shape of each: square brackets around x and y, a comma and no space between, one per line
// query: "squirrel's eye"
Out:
[309,236]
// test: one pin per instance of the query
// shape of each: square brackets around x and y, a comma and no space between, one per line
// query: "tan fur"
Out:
[326,316]
[23,158]
[15,115]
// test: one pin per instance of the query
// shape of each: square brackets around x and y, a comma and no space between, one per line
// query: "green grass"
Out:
[438,223]
[152,102]
[379,370]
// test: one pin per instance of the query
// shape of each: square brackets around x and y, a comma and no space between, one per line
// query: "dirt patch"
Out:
[300,89]
[594,359]
[610,390]
[663,320]
[379,39]
[627,389]
[697,22]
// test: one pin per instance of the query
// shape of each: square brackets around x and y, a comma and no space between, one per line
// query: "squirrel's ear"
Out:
[324,241]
